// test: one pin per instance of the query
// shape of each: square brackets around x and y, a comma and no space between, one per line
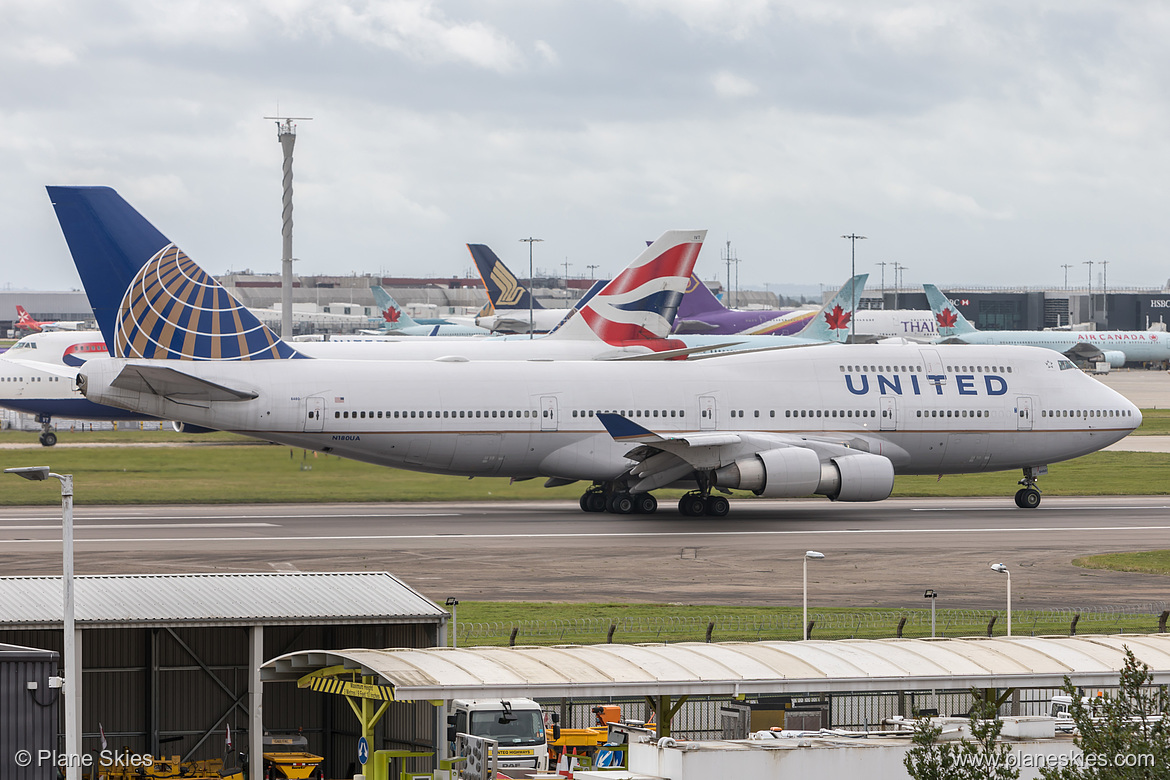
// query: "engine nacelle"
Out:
[1114,357]
[860,477]
[782,473]
[182,427]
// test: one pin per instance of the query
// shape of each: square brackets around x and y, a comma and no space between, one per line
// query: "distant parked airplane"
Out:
[399,323]
[26,322]
[1116,347]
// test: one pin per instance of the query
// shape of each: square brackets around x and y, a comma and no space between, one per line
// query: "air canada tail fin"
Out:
[503,288]
[149,298]
[947,316]
[394,315]
[641,302]
[832,321]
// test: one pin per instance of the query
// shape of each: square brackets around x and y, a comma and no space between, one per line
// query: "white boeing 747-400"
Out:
[832,420]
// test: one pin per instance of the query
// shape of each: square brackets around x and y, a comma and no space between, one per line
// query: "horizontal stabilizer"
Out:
[175,385]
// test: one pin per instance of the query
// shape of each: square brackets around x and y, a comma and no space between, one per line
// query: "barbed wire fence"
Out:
[1144,618]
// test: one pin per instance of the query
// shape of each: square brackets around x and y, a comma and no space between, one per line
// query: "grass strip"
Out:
[1145,562]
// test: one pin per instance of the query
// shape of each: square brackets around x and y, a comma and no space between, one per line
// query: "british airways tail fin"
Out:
[947,316]
[149,298]
[393,314]
[641,302]
[503,288]
[832,321]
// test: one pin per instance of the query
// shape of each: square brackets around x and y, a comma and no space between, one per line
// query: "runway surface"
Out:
[881,554]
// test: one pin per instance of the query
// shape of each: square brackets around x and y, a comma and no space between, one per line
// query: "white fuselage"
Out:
[928,409]
[1138,346]
[913,324]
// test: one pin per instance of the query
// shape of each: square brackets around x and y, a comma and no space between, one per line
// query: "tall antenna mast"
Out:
[286,133]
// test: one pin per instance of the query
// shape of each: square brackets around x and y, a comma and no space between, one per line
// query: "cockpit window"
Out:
[1065,365]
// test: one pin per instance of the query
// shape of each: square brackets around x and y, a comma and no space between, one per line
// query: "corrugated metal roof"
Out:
[730,668]
[217,599]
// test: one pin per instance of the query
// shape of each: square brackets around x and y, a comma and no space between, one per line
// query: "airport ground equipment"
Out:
[286,757]
[516,725]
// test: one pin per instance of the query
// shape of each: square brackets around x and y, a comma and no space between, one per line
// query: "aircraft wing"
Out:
[1083,351]
[175,385]
[662,459]
[59,369]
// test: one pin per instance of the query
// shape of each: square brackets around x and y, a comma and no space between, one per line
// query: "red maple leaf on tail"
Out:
[391,315]
[838,318]
[946,318]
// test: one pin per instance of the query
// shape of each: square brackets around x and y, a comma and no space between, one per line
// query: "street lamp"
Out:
[932,595]
[815,556]
[453,603]
[999,567]
[853,239]
[531,287]
[72,673]
[1090,264]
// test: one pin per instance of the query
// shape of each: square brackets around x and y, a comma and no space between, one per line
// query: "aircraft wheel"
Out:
[692,505]
[645,504]
[584,503]
[1029,498]
[593,502]
[1020,498]
[48,439]
[717,506]
[621,504]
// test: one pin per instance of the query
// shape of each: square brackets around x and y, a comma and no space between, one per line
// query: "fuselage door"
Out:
[314,413]
[889,413]
[706,412]
[548,412]
[1024,413]
[934,367]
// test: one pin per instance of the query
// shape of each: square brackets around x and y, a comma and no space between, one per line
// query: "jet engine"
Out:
[795,471]
[1114,357]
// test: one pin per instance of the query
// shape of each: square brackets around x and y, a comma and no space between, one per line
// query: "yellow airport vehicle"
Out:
[286,758]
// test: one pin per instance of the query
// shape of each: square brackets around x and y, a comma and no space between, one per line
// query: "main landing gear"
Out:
[1028,497]
[612,499]
[618,502]
[47,437]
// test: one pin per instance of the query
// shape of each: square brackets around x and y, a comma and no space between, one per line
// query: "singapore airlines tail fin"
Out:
[394,315]
[640,303]
[950,320]
[150,299]
[503,288]
[832,321]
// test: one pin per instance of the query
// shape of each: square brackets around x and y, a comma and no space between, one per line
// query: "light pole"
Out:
[932,595]
[853,239]
[816,556]
[453,603]
[592,270]
[1105,293]
[1066,266]
[531,287]
[72,673]
[1090,264]
[999,567]
[898,269]
[883,265]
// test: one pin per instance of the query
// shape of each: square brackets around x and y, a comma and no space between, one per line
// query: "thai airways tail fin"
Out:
[394,315]
[503,288]
[947,316]
[641,302]
[698,300]
[149,298]
[833,320]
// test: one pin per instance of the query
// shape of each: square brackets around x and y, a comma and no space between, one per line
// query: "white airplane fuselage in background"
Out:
[912,324]
[923,410]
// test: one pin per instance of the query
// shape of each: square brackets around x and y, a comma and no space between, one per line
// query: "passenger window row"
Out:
[1084,413]
[529,413]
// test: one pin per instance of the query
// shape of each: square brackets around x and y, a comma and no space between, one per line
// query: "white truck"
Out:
[517,726]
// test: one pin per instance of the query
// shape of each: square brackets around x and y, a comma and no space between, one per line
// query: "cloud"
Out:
[729,85]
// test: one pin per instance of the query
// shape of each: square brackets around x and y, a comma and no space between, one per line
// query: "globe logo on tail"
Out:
[174,310]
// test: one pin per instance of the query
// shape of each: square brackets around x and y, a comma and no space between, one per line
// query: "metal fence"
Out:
[1141,618]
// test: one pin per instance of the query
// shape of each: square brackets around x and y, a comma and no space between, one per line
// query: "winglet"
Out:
[503,288]
[622,428]
[947,317]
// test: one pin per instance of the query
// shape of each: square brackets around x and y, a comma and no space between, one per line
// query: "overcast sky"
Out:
[982,143]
